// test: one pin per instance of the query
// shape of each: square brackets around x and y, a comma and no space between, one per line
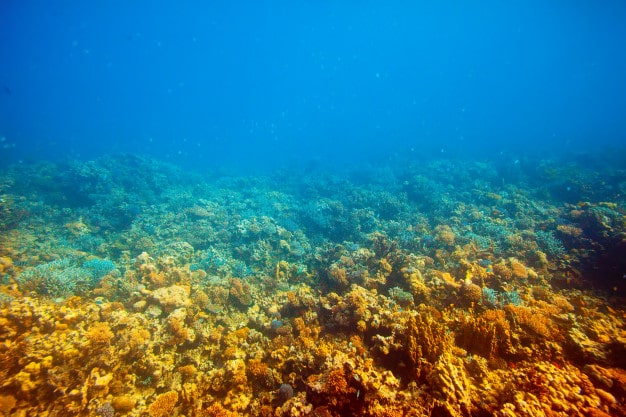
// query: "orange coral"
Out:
[230,352]
[187,371]
[427,338]
[357,343]
[530,319]
[518,269]
[260,373]
[300,326]
[7,403]
[156,279]
[336,383]
[164,404]
[502,271]
[100,334]
[241,333]
[216,410]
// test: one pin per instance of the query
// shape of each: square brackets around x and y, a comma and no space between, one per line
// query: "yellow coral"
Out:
[78,227]
[569,230]
[123,403]
[173,297]
[6,263]
[236,372]
[26,381]
[385,266]
[138,337]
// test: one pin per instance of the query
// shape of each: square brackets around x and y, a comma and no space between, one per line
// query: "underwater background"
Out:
[312,208]
[252,85]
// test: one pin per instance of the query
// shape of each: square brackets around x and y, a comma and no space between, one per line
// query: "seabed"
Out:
[130,287]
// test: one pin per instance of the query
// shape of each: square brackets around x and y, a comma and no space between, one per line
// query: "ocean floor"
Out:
[438,287]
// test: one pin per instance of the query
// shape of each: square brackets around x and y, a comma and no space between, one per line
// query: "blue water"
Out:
[259,85]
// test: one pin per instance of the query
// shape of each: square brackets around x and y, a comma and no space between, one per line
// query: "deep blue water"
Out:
[262,84]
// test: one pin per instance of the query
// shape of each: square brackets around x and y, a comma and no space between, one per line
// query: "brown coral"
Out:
[488,335]
[444,235]
[259,373]
[240,292]
[470,293]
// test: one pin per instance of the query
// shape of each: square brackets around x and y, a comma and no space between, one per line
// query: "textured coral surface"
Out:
[444,288]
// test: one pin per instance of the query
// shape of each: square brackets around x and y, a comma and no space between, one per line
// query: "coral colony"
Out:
[132,288]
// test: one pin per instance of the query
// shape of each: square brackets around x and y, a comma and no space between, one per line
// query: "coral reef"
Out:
[131,288]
